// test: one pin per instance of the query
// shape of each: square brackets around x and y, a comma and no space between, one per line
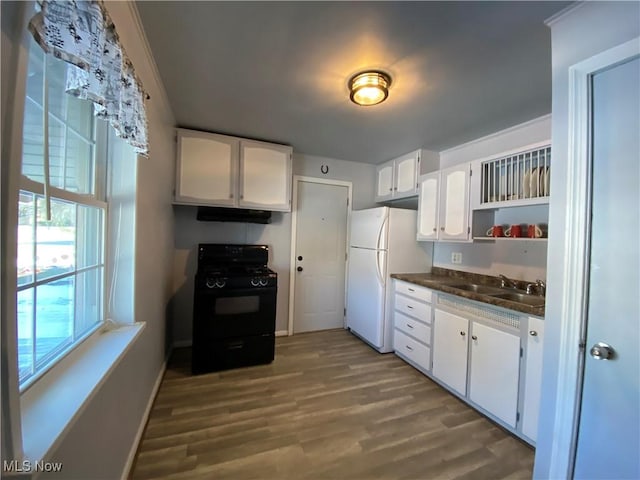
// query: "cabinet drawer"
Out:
[412,327]
[412,349]
[413,308]
[415,291]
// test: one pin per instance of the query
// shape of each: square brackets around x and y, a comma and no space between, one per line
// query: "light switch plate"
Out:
[456,257]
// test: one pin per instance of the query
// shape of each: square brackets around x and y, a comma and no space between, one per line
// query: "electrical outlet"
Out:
[456,257]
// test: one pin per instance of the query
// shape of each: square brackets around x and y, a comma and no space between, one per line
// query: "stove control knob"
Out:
[263,282]
[211,283]
[255,282]
[220,283]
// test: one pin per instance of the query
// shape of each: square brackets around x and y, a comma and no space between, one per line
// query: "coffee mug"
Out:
[514,231]
[534,231]
[495,231]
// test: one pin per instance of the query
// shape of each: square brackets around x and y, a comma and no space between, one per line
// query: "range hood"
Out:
[221,214]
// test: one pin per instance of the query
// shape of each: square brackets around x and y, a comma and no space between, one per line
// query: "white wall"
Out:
[277,235]
[361,175]
[589,29]
[521,260]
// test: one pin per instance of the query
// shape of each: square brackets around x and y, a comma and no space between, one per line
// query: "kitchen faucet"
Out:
[507,282]
[540,287]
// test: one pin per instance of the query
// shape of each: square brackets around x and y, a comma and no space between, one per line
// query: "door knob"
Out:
[602,351]
[299,269]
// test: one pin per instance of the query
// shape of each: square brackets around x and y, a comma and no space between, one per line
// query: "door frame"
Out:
[294,235]
[575,278]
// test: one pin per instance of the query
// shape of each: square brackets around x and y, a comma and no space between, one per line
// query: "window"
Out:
[61,259]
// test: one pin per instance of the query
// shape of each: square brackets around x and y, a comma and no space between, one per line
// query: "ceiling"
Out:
[278,71]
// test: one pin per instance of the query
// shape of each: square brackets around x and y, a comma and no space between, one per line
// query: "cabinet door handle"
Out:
[391,189]
[231,195]
[463,333]
[533,333]
[442,229]
[410,326]
[474,337]
[435,229]
[408,347]
[241,197]
[409,307]
[395,188]
[411,290]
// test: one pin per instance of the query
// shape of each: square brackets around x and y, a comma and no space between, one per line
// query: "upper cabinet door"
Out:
[206,168]
[454,203]
[406,173]
[265,176]
[428,206]
[384,182]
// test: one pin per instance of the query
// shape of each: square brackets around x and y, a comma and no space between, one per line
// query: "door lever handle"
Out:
[602,351]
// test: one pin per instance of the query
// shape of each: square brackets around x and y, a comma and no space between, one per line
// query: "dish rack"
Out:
[521,176]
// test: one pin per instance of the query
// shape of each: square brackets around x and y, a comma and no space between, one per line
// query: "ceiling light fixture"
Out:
[370,87]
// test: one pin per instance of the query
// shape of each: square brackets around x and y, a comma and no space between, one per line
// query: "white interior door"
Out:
[320,256]
[609,429]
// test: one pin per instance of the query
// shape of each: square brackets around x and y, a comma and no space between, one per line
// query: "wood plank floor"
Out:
[328,407]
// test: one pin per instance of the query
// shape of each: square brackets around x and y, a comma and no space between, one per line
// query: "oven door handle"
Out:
[236,292]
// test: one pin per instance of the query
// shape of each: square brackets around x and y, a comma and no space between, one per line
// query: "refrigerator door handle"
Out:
[379,269]
[381,231]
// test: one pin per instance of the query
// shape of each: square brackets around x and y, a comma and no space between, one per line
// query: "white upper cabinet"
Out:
[406,171]
[398,178]
[428,204]
[265,176]
[454,203]
[443,206]
[384,182]
[206,169]
[225,171]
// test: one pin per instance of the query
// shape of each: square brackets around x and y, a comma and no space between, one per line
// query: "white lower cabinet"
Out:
[450,350]
[490,357]
[533,377]
[494,371]
[412,324]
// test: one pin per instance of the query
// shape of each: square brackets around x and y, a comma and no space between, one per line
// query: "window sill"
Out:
[51,405]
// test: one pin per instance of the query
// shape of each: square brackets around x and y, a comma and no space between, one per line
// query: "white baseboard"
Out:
[143,423]
[282,333]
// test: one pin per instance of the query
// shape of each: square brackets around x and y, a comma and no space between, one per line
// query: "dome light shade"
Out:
[369,88]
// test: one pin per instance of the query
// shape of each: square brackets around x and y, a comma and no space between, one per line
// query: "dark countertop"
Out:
[443,280]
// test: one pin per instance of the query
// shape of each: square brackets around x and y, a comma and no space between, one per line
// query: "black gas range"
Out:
[234,310]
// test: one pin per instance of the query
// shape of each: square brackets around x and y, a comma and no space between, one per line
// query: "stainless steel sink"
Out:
[533,300]
[472,287]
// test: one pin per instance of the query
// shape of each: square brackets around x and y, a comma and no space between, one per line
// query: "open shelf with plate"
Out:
[519,179]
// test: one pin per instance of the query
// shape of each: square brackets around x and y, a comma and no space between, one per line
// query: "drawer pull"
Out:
[409,307]
[411,289]
[409,348]
[474,337]
[409,325]
[463,333]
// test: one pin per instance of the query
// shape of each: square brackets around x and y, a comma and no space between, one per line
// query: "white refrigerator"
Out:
[382,241]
